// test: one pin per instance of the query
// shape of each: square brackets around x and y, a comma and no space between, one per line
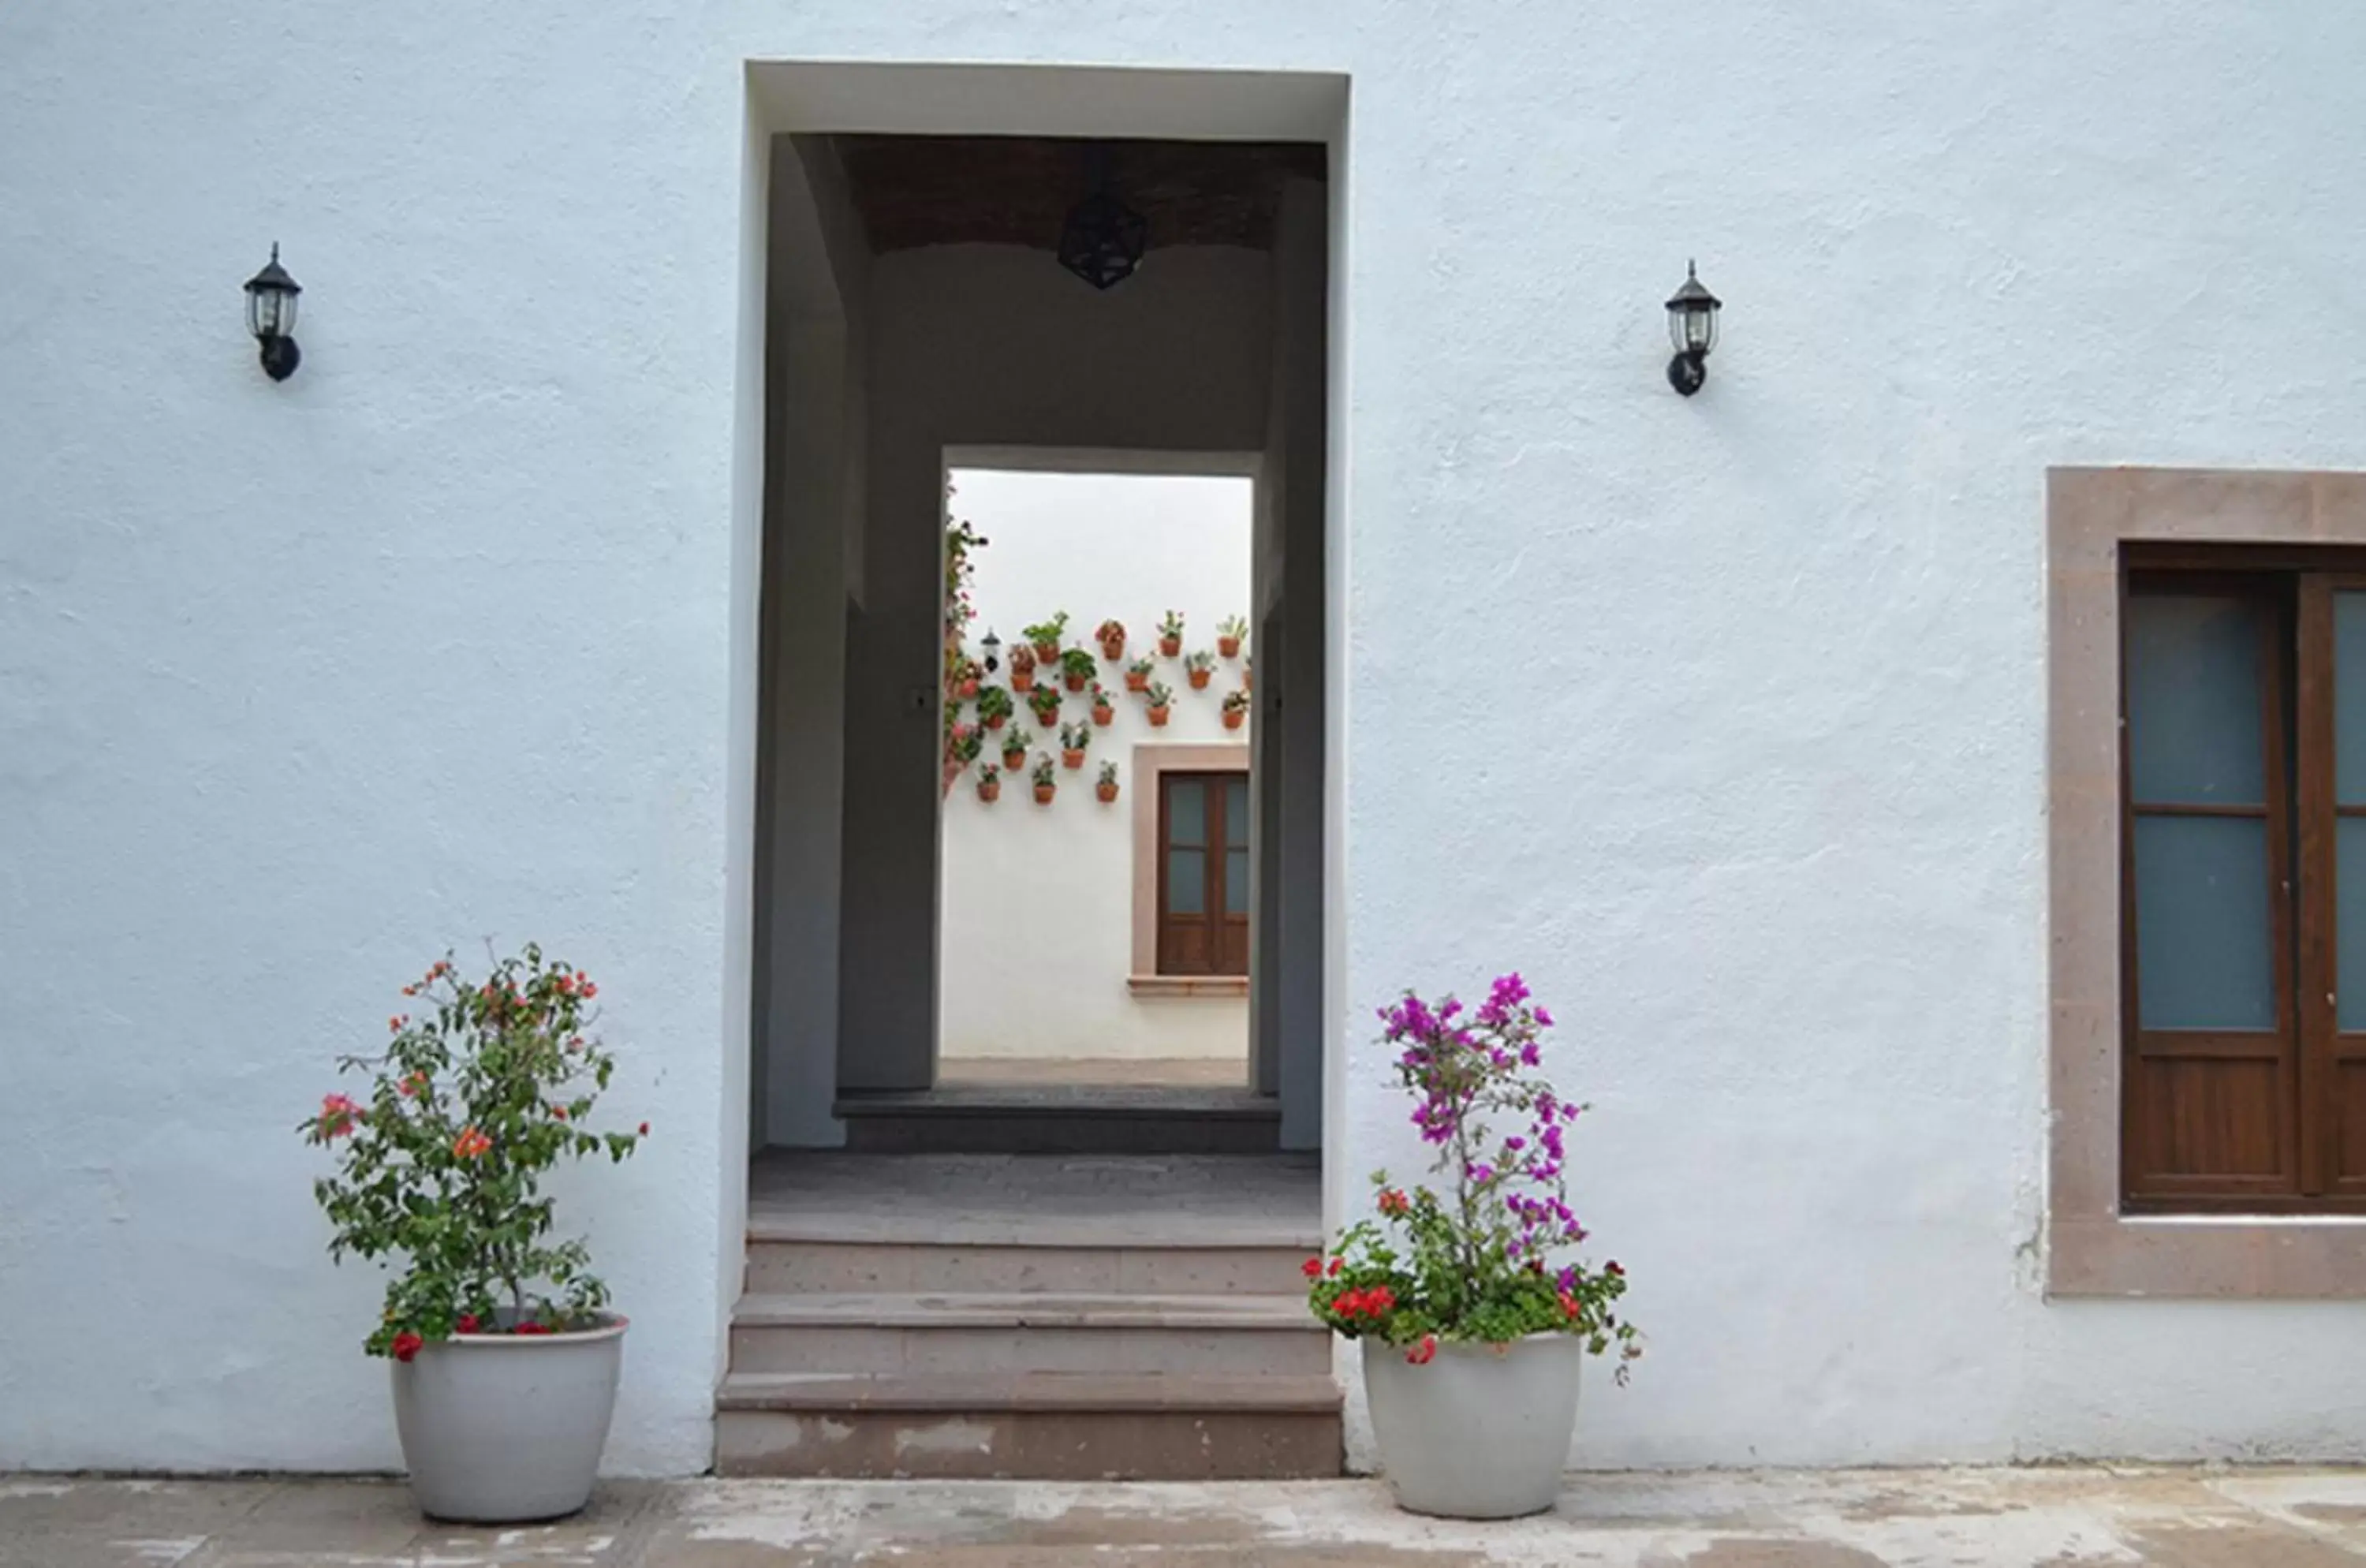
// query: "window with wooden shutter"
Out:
[1203,873]
[2243,868]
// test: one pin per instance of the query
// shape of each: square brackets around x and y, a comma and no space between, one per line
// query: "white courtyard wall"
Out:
[298,682]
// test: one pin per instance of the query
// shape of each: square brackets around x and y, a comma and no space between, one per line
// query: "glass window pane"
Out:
[1237,810]
[2350,700]
[1236,882]
[1187,811]
[1186,882]
[2349,922]
[2203,939]
[2193,699]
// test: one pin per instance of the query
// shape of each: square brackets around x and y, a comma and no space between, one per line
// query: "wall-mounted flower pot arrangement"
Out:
[1171,634]
[990,782]
[1074,739]
[1022,669]
[1104,708]
[1044,637]
[1236,709]
[1047,780]
[1161,698]
[1107,788]
[1110,635]
[1077,669]
[1045,702]
[1138,674]
[1229,633]
[1199,669]
[993,707]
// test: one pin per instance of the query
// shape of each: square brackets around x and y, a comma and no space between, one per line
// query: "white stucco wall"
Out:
[1038,901]
[297,683]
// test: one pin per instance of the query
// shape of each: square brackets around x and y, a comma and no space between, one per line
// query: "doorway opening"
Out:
[1097,877]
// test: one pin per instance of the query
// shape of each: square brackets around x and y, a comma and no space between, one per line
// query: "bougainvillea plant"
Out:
[1487,1259]
[490,1084]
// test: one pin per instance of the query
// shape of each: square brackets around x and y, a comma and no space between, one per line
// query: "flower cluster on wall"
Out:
[983,724]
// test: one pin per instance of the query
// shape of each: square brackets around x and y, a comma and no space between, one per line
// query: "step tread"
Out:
[1050,1233]
[1088,1101]
[1145,1393]
[1023,1309]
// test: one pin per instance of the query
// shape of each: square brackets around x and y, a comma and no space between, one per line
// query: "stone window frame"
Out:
[2093,1248]
[1151,760]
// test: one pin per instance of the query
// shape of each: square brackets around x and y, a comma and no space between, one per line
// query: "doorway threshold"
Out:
[1062,1119]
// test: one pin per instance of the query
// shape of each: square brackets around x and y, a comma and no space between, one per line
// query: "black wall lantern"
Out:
[271,317]
[993,652]
[1103,239]
[1692,325]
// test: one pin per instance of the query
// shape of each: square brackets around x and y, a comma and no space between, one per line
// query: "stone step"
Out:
[1062,1119]
[781,1263]
[1027,1331]
[1037,1425]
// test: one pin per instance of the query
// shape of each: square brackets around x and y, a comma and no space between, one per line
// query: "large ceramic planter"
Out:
[1478,1431]
[502,1428]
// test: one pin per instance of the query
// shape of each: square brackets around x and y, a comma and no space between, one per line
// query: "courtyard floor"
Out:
[2183,1518]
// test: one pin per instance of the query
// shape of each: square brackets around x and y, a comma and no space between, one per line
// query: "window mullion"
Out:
[2313,868]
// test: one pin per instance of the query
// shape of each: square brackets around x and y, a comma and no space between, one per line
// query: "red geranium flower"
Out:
[531,1328]
[466,1324]
[1312,1267]
[1425,1352]
[645,1129]
[406,1345]
[1336,1264]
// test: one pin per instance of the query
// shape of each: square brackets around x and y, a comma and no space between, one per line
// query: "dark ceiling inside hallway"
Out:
[1005,190]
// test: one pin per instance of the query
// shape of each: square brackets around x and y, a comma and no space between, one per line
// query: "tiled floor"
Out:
[2055,1518]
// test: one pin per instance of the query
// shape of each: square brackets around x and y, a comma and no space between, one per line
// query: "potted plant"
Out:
[990,782]
[993,707]
[1104,705]
[970,676]
[1474,1320]
[1074,739]
[1047,780]
[1014,753]
[1138,674]
[1229,633]
[503,1353]
[1161,698]
[1110,635]
[1045,702]
[1171,634]
[1236,709]
[961,750]
[1023,668]
[1044,637]
[1107,787]
[1246,683]
[1198,668]
[1076,666]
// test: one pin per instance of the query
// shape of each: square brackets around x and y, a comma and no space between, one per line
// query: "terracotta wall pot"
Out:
[1047,653]
[990,792]
[1022,679]
[1103,714]
[1043,794]
[1170,646]
[1015,759]
[1134,683]
[501,1429]
[1072,759]
[1159,718]
[1479,1431]
[996,722]
[1075,683]
[1107,792]
[1113,649]
[1233,718]
[1228,647]
[1199,679]
[969,688]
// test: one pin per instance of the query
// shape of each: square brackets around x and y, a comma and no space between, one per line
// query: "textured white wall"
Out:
[1037,900]
[301,680]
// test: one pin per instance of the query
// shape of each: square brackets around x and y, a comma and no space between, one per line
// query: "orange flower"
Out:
[394,1025]
[559,1111]
[470,1143]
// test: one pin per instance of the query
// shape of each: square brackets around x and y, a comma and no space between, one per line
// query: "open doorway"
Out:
[1097,906]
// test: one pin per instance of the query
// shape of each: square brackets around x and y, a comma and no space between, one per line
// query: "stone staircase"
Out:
[982,1339]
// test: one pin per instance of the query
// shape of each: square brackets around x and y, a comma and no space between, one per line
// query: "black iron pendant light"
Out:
[1103,239]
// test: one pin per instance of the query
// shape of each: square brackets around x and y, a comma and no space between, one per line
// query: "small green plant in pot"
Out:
[1104,705]
[1230,633]
[1107,788]
[504,1355]
[990,783]
[993,707]
[1045,703]
[1236,709]
[1159,704]
[1074,739]
[1047,780]
[1023,668]
[1138,673]
[1014,753]
[1198,668]
[1171,634]
[1078,668]
[1474,1316]
[1044,637]
[1110,635]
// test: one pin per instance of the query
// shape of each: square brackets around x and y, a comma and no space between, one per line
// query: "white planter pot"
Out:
[502,1428]
[1479,1431]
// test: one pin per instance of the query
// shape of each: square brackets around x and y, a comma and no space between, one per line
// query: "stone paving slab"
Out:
[2065,1517]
